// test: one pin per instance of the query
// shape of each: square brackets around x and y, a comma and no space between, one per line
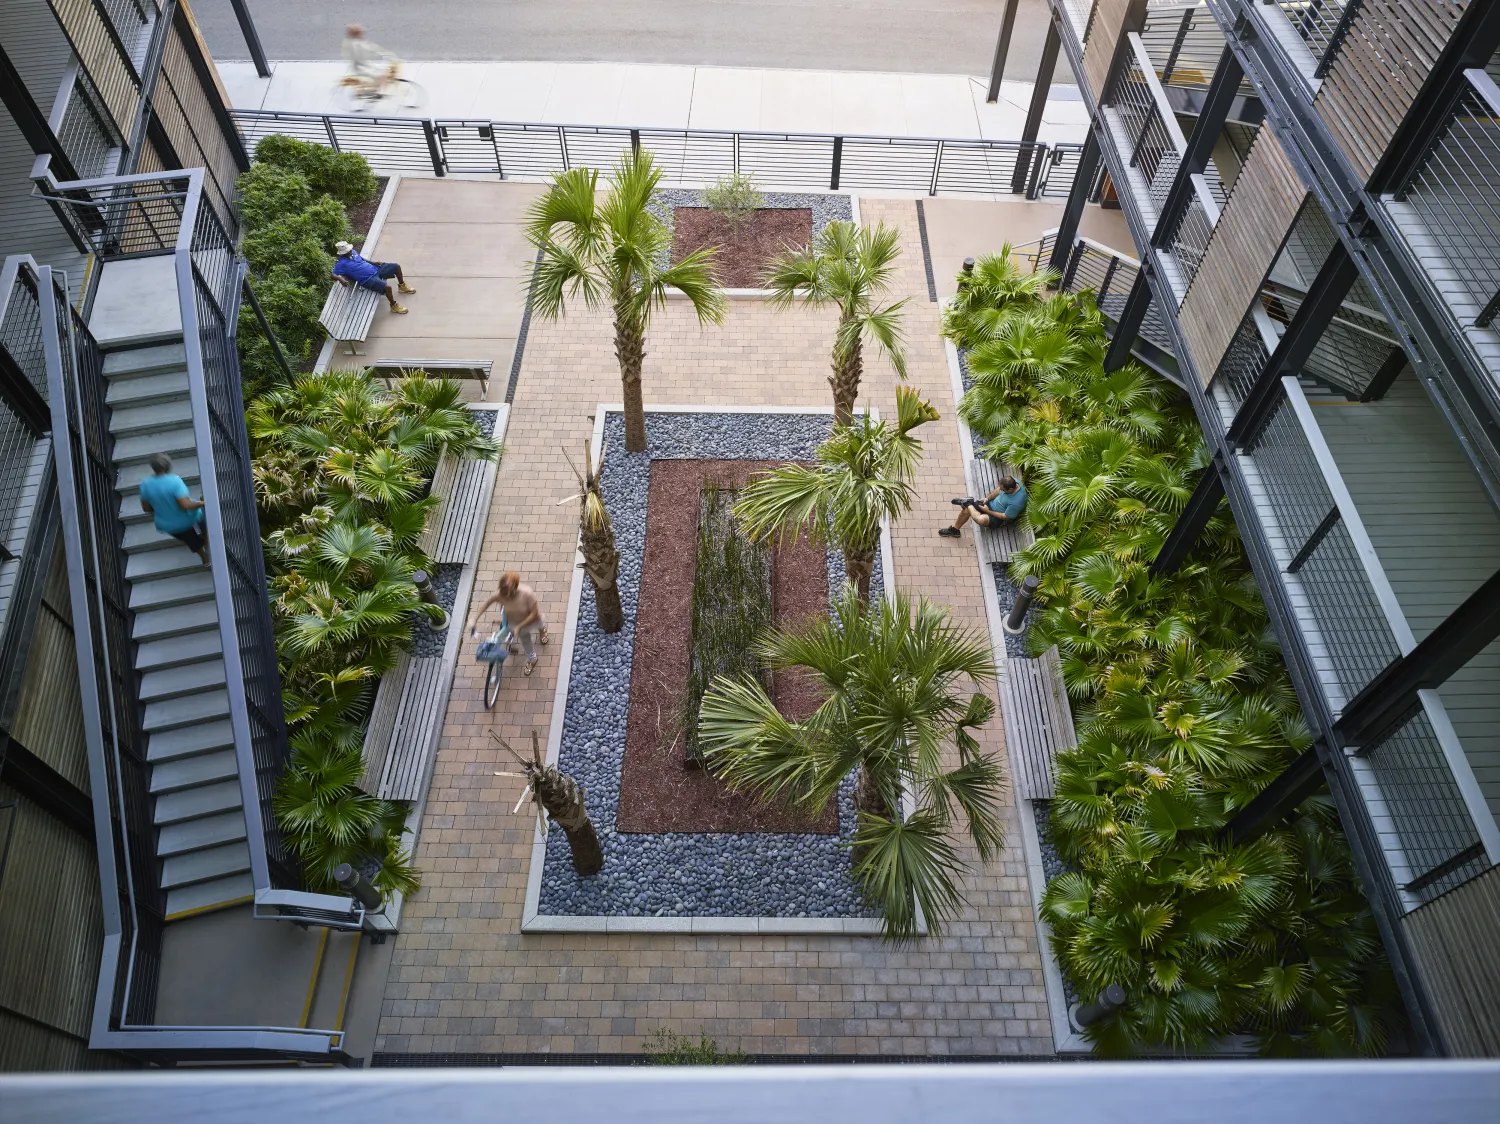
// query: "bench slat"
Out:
[464,517]
[348,313]
[997,544]
[415,736]
[442,487]
[383,722]
[1038,721]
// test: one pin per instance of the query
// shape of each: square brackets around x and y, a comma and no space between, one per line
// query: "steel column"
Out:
[1467,631]
[1314,315]
[1216,105]
[1279,799]
[1195,515]
[1002,50]
[1067,230]
[1039,92]
[252,37]
[1131,318]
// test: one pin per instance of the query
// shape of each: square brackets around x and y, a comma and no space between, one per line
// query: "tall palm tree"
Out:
[596,540]
[615,250]
[863,474]
[849,267]
[890,674]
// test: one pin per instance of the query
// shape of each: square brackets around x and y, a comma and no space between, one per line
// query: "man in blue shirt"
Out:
[165,497]
[1004,505]
[351,269]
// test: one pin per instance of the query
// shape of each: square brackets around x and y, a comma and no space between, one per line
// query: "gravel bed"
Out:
[825,208]
[485,420]
[1005,593]
[424,641]
[708,874]
[1052,866]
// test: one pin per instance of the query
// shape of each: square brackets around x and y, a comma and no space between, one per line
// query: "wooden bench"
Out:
[479,369]
[997,543]
[402,737]
[1038,721]
[348,313]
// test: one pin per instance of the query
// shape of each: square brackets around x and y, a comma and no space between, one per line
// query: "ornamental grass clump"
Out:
[1184,712]
[735,199]
[342,469]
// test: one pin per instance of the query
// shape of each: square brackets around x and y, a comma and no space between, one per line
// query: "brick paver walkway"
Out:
[464,979]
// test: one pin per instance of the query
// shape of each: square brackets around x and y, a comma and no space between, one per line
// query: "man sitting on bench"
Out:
[1003,505]
[351,269]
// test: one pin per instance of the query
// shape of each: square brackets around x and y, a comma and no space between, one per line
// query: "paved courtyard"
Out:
[463,978]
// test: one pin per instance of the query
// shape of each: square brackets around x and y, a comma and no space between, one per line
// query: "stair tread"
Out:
[176,442]
[207,831]
[144,565]
[189,772]
[130,476]
[167,714]
[161,593]
[173,650]
[154,418]
[160,387]
[186,679]
[142,360]
[187,741]
[192,617]
[201,897]
[192,803]
[206,864]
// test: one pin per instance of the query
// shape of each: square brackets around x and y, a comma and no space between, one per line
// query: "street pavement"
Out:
[909,36]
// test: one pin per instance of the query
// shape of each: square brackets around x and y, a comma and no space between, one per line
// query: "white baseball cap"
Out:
[342,248]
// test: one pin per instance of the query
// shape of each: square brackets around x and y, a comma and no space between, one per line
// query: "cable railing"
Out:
[1322,24]
[825,162]
[1184,42]
[1449,210]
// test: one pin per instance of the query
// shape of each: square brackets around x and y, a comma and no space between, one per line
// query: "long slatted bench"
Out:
[997,543]
[478,369]
[348,313]
[1038,721]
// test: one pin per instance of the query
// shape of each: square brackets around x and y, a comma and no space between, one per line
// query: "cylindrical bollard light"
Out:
[423,581]
[1017,619]
[355,885]
[969,265]
[1110,999]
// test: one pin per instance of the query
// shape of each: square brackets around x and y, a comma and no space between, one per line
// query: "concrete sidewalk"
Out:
[697,97]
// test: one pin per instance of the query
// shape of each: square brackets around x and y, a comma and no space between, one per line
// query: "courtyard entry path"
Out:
[464,980]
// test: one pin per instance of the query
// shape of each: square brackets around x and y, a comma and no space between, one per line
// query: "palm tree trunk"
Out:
[871,801]
[563,799]
[860,566]
[630,350]
[601,561]
[847,369]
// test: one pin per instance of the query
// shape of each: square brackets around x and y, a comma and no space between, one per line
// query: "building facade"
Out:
[1314,195]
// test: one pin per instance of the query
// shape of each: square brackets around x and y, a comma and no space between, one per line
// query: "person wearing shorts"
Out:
[164,496]
[522,610]
[351,269]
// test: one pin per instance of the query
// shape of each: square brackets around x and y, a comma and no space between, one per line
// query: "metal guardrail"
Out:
[825,162]
[1323,24]
[1455,192]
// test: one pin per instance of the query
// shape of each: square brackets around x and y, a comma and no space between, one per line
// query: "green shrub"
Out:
[344,175]
[301,243]
[1184,712]
[292,308]
[734,198]
[667,1047]
[269,193]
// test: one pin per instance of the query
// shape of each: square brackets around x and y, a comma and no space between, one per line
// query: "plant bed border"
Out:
[532,919]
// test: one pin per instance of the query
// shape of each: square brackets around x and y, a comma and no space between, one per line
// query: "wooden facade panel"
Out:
[1456,943]
[1380,67]
[187,113]
[95,47]
[1255,221]
[1112,18]
[49,708]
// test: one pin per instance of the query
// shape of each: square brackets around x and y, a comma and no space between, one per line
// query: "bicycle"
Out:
[359,93]
[494,652]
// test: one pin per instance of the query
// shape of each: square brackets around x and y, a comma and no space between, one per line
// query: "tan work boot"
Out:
[400,310]
[405,288]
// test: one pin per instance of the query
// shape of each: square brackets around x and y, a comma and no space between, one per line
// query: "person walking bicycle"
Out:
[522,610]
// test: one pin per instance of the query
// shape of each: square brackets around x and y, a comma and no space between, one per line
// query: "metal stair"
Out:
[201,838]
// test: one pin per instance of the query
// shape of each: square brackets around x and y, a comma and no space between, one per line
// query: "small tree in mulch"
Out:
[849,267]
[560,797]
[734,199]
[596,535]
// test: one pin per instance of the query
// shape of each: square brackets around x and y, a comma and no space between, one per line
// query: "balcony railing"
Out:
[1322,24]
[1184,42]
[1449,211]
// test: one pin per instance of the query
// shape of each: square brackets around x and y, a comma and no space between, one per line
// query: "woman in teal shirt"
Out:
[1004,505]
[164,496]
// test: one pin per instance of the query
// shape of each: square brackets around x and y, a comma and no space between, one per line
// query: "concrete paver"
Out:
[463,978]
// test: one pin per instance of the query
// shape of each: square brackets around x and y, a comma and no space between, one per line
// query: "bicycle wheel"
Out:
[407,94]
[492,685]
[349,98]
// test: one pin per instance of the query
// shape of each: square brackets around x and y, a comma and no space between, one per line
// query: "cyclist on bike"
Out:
[370,65]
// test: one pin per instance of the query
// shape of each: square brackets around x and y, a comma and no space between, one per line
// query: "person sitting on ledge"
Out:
[351,269]
[1003,505]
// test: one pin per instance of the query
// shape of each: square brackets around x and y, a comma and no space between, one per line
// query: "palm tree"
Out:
[596,537]
[558,796]
[889,673]
[616,251]
[849,267]
[985,296]
[863,474]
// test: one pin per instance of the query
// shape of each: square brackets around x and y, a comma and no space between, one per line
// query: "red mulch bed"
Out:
[361,215]
[743,254]
[657,791]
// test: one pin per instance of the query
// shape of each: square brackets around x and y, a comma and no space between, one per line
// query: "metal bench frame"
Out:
[388,369]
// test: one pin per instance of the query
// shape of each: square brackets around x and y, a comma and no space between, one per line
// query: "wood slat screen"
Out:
[1387,55]
[1267,196]
[96,50]
[1456,941]
[187,114]
[1112,19]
